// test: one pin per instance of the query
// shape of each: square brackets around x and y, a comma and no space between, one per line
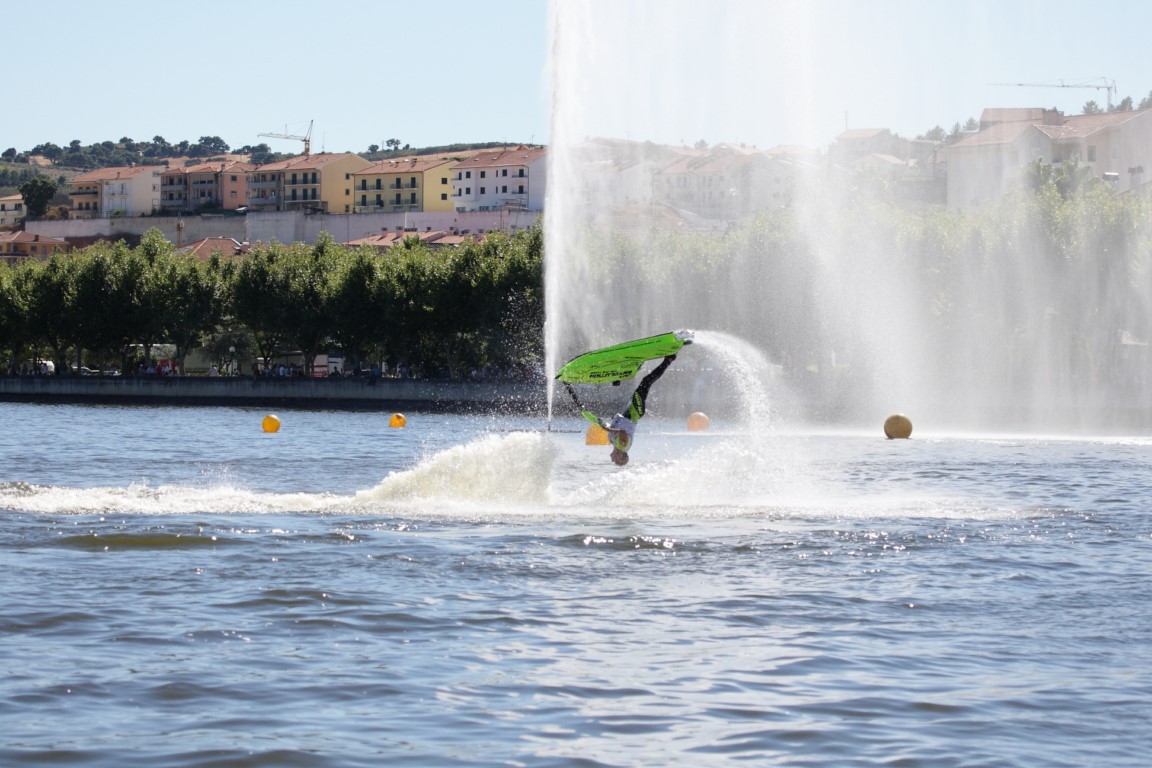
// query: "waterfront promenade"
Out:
[358,393]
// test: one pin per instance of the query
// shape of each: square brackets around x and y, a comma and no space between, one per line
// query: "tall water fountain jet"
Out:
[1033,313]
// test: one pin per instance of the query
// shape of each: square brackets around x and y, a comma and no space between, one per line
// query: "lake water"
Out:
[183,589]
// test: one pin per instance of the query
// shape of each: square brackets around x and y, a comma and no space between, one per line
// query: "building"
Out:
[204,248]
[318,183]
[217,185]
[115,191]
[429,237]
[403,185]
[982,167]
[855,143]
[504,179]
[724,183]
[18,246]
[11,210]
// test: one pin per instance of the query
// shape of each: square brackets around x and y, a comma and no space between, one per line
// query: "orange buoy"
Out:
[270,423]
[698,422]
[897,427]
[596,435]
[397,421]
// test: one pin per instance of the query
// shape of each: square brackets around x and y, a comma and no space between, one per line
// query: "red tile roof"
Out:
[309,162]
[503,158]
[28,237]
[226,246]
[115,172]
[404,165]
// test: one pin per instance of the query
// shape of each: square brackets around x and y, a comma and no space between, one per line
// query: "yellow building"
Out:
[321,183]
[404,185]
[17,246]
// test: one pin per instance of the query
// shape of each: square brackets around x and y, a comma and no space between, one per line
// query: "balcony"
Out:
[273,184]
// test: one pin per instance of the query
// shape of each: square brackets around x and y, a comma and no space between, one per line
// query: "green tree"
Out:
[306,282]
[1124,105]
[37,193]
[53,317]
[1091,108]
[361,303]
[255,300]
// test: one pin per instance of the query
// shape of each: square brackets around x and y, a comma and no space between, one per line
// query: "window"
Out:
[363,199]
[468,190]
[397,198]
[443,180]
[521,190]
[412,182]
[1091,153]
[412,200]
[467,174]
[504,189]
[233,179]
[483,190]
[443,195]
[483,174]
[521,174]
[232,194]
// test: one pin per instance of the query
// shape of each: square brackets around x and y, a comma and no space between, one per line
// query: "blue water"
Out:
[182,589]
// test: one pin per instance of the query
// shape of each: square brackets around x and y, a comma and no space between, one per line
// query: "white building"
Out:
[1117,146]
[503,179]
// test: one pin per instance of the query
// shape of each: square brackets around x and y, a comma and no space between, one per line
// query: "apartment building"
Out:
[725,182]
[221,185]
[320,183]
[505,179]
[115,191]
[403,185]
[1117,146]
[18,246]
[11,209]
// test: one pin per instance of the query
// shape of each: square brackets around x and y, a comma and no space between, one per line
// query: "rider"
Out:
[622,428]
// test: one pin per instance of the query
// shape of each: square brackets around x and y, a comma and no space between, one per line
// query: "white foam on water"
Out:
[508,469]
[142,499]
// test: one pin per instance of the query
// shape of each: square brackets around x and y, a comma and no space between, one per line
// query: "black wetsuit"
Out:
[636,406]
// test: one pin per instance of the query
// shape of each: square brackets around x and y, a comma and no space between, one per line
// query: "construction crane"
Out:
[306,138]
[1102,84]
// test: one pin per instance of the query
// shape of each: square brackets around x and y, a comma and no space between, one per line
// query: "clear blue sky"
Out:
[444,71]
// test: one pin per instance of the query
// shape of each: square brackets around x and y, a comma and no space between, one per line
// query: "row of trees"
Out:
[126,151]
[477,305]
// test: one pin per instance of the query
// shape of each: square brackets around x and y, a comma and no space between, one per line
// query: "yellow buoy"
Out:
[596,435]
[397,421]
[897,426]
[698,422]
[271,423]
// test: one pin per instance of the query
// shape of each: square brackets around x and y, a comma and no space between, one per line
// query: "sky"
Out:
[434,72]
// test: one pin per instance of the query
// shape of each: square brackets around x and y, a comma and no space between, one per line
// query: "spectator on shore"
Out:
[213,371]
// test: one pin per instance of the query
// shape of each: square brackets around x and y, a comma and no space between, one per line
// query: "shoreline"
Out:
[331,393]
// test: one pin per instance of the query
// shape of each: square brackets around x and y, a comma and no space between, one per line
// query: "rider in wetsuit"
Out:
[622,428]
